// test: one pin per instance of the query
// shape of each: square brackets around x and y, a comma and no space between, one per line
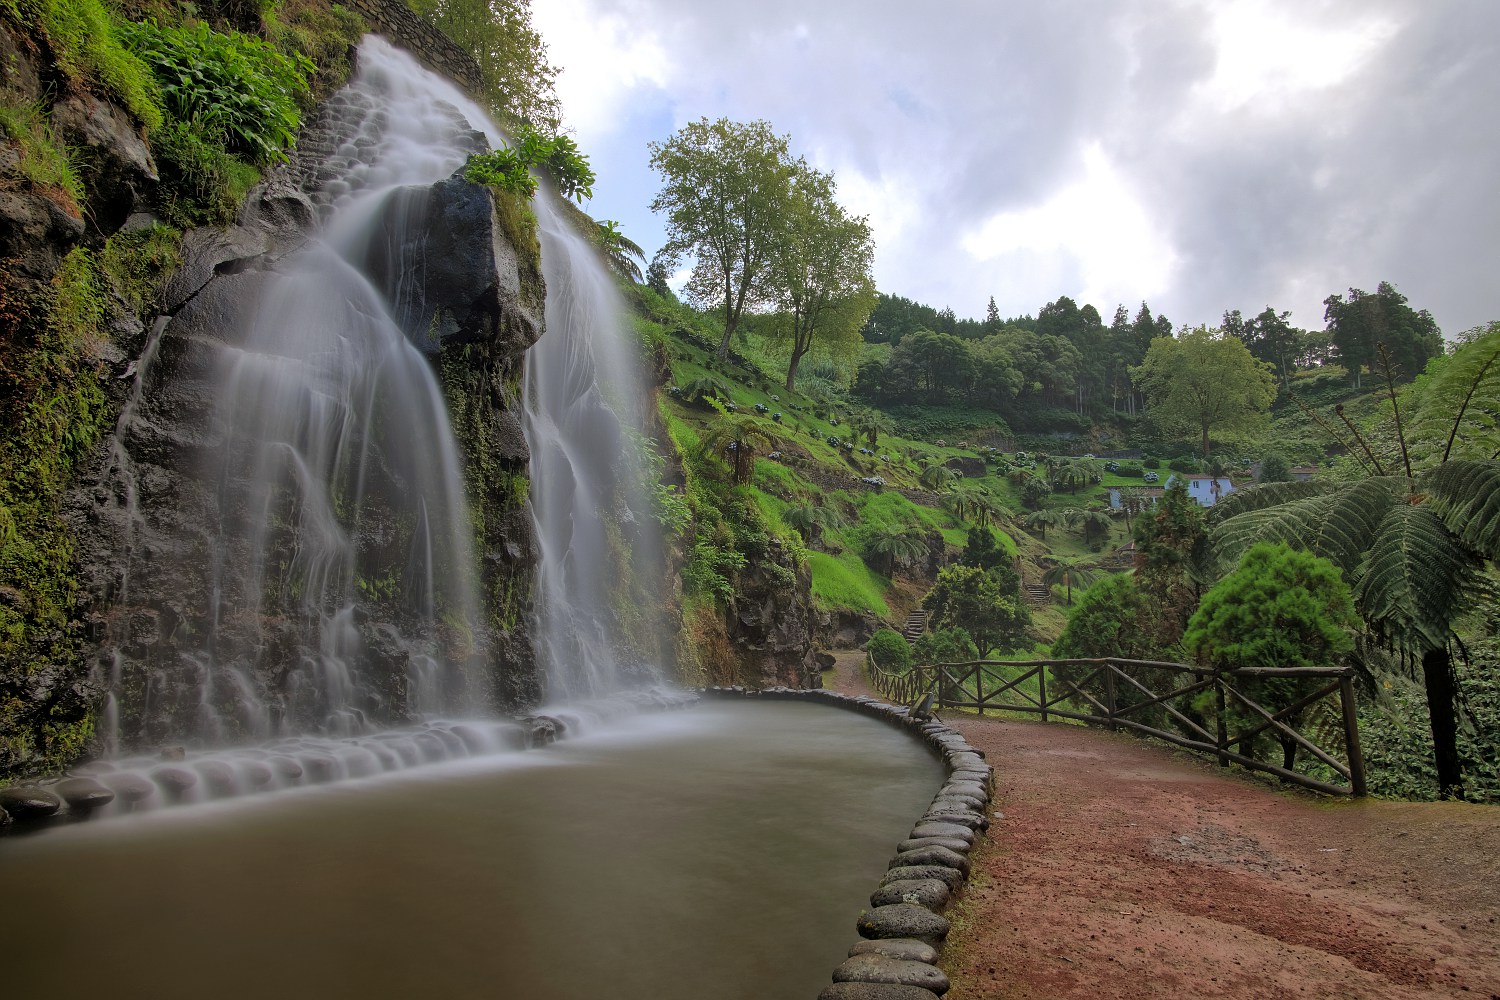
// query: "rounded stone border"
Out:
[902,933]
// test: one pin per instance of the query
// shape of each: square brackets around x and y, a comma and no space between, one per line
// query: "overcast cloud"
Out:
[1200,156]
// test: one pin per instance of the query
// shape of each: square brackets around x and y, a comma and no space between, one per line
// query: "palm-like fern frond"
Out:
[1467,497]
[1259,497]
[1416,578]
[1459,416]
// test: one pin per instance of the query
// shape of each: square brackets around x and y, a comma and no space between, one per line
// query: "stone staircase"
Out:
[916,625]
[1037,594]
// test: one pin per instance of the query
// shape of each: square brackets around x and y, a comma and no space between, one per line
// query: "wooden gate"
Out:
[1218,712]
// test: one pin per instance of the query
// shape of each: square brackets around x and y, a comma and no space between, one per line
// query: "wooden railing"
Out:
[1117,693]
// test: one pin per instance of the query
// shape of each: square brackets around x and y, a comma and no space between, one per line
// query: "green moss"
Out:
[45,161]
[53,408]
[138,263]
[518,223]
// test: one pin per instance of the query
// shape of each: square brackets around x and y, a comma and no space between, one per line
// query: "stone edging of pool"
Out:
[901,935]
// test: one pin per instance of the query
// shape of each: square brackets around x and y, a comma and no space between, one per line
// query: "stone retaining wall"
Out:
[901,935]
[433,49]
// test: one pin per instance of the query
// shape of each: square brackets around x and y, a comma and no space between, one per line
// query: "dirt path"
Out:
[1124,870]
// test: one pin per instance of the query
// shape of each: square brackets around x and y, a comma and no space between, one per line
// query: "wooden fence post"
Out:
[1109,696]
[1351,737]
[1041,686]
[979,686]
[1221,712]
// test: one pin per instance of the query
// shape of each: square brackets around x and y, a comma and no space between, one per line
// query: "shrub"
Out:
[85,43]
[235,88]
[945,645]
[890,651]
[1183,465]
[1150,463]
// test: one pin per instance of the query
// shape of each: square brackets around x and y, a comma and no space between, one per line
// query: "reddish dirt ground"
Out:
[1120,869]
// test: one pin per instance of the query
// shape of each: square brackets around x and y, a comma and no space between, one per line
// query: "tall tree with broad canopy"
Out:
[1359,324]
[727,191]
[1204,381]
[518,83]
[820,272]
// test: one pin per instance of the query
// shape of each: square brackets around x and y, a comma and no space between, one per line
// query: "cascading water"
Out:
[336,427]
[583,424]
[337,488]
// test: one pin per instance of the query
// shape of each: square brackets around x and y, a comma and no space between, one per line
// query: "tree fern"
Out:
[1459,414]
[1416,578]
[1467,497]
[1259,497]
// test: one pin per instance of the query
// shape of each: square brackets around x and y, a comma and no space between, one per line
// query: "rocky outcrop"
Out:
[770,622]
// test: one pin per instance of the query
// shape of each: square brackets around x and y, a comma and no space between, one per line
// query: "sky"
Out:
[1200,156]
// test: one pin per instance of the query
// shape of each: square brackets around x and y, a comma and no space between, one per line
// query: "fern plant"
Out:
[1413,547]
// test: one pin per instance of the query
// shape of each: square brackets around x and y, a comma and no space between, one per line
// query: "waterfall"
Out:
[328,534]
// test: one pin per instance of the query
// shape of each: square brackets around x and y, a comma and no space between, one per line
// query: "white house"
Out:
[1205,489]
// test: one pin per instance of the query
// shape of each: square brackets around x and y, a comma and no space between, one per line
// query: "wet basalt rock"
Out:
[893,971]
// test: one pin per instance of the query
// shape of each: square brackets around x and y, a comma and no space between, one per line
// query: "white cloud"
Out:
[604,57]
[1096,224]
[1271,55]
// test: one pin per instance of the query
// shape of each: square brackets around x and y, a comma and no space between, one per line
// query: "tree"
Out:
[889,546]
[821,271]
[1041,520]
[935,475]
[1359,324]
[1065,572]
[1204,382]
[976,601]
[1457,403]
[810,520]
[1413,550]
[1274,468]
[727,189]
[1170,552]
[1109,620]
[944,645]
[1281,608]
[983,550]
[518,83]
[737,436]
[890,651]
[620,251]
[658,274]
[1269,338]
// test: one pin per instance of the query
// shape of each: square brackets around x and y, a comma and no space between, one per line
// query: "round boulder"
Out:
[952,843]
[28,803]
[927,892]
[939,856]
[875,991]
[905,949]
[951,877]
[174,781]
[903,920]
[925,828]
[958,817]
[84,795]
[880,969]
[129,786]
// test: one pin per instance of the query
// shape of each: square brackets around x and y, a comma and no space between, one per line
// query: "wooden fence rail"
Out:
[1218,712]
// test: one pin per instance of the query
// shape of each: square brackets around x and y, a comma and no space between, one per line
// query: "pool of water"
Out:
[722,852]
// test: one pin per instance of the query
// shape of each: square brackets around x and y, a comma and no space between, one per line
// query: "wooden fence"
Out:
[1210,711]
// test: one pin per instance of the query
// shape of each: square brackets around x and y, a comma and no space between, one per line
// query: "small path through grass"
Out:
[1120,869]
